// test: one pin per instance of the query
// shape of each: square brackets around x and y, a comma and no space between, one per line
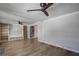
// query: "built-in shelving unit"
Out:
[4,32]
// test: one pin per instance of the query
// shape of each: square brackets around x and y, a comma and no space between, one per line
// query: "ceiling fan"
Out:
[43,9]
[19,22]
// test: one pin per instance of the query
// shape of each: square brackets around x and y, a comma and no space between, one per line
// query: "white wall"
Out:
[61,31]
[16,30]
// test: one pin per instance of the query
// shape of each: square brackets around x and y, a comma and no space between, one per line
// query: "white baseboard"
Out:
[76,51]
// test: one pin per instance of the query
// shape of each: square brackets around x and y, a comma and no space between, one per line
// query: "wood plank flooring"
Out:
[32,48]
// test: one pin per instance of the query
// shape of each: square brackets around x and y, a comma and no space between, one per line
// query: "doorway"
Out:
[25,32]
[32,31]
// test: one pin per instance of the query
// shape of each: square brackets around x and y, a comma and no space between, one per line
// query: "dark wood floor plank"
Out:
[33,48]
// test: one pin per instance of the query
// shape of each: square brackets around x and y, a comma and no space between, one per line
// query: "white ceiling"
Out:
[19,9]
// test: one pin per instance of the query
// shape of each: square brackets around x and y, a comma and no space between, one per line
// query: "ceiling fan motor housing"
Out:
[42,4]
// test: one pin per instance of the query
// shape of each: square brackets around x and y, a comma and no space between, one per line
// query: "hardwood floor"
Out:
[32,48]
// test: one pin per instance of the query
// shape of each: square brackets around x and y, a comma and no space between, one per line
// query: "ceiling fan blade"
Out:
[46,13]
[34,10]
[47,6]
